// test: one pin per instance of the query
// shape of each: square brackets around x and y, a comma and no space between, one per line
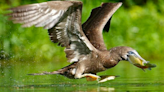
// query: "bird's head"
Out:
[131,55]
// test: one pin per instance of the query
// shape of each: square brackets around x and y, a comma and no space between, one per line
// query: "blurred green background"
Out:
[138,24]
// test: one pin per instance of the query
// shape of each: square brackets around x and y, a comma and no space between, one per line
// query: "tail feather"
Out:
[66,71]
[46,73]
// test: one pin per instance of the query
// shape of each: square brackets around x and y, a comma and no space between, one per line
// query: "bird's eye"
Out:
[131,52]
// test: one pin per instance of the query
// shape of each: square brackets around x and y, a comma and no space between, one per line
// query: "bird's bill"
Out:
[140,62]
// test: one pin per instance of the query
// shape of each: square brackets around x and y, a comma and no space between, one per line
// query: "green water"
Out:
[13,77]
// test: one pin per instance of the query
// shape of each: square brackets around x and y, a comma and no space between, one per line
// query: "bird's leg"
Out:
[80,74]
[91,77]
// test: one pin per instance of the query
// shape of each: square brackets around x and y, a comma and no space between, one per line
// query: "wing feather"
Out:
[63,21]
[99,19]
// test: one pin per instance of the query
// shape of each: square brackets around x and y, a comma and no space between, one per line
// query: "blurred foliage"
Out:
[138,24]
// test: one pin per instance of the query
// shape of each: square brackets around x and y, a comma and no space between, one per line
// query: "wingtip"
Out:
[8,12]
[119,3]
[116,4]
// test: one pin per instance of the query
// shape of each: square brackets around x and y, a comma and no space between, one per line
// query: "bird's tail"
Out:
[66,71]
[46,73]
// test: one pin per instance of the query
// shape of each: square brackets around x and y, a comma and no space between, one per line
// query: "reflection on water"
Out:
[106,89]
[13,76]
[72,88]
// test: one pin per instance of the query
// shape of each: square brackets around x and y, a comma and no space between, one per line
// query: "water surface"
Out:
[13,77]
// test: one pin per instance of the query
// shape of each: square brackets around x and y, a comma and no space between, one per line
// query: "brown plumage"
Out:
[84,44]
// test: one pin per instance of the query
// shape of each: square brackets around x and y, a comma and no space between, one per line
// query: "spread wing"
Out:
[99,19]
[63,21]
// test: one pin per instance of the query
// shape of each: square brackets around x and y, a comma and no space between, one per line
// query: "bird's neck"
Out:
[113,57]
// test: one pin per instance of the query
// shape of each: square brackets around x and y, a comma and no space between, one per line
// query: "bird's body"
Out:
[95,63]
[84,45]
[92,64]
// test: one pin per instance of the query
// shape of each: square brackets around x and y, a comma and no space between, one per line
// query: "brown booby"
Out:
[84,44]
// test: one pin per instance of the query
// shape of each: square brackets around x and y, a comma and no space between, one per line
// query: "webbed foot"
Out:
[100,79]
[105,78]
[92,77]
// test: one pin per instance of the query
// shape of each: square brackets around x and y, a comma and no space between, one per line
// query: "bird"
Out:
[84,45]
